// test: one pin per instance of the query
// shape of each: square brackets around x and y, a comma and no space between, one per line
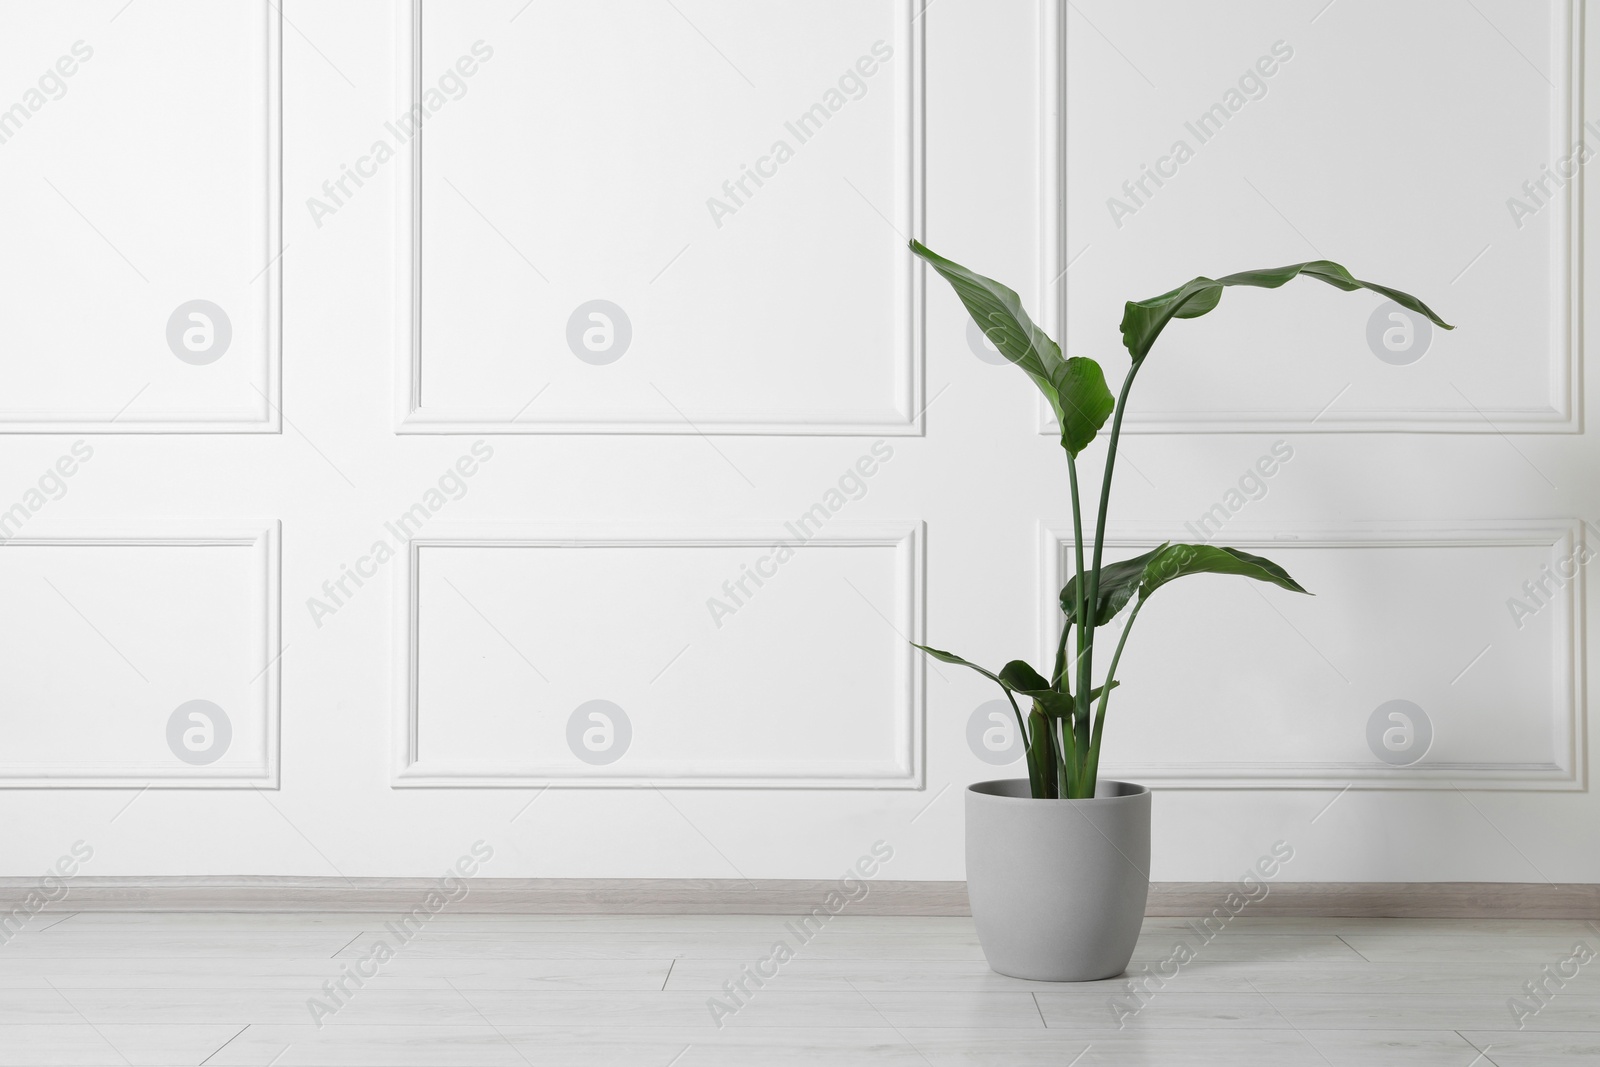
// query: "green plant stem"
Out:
[1022,730]
[1105,484]
[1078,724]
[1041,756]
[1063,768]
[1036,784]
[1060,672]
[1086,657]
[1077,544]
[1105,697]
[1069,758]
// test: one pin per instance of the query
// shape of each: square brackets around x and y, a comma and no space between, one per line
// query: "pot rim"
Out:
[1134,791]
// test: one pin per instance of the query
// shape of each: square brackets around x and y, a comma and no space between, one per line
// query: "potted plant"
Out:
[1058,863]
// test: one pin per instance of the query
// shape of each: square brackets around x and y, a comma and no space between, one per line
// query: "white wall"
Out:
[572,517]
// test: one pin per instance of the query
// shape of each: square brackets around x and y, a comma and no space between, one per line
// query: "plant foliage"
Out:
[1062,726]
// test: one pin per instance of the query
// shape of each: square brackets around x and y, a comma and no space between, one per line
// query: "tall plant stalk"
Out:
[1064,729]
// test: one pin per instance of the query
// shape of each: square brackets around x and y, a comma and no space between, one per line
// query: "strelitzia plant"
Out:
[1064,726]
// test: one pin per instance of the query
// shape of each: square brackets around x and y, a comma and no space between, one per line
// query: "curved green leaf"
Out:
[1051,703]
[1144,574]
[951,657]
[1175,561]
[1061,705]
[1020,677]
[1086,402]
[1118,582]
[1076,388]
[1143,320]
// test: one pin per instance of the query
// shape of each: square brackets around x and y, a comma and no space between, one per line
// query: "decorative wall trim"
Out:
[731,896]
[1561,415]
[263,415]
[907,771]
[1561,537]
[910,279]
[262,538]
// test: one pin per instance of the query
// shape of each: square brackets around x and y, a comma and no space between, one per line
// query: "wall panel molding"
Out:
[1564,360]
[903,770]
[260,412]
[905,215]
[261,541]
[1565,716]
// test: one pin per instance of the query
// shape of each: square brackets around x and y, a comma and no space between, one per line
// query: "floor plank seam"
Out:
[347,944]
[1312,1045]
[225,1044]
[1483,1053]
[59,921]
[1351,947]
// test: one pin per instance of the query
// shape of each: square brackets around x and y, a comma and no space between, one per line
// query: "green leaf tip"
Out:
[1143,320]
[1075,388]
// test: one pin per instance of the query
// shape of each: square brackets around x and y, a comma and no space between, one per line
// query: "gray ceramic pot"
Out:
[1058,887]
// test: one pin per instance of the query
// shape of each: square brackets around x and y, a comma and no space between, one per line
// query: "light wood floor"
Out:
[228,989]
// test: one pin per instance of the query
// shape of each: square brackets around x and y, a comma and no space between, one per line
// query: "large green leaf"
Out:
[1118,582]
[1175,561]
[1052,704]
[1061,705]
[951,657]
[1015,677]
[1145,573]
[1019,676]
[1085,402]
[1143,320]
[1075,388]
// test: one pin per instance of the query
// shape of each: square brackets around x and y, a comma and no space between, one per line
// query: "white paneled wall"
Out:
[840,97]
[603,447]
[141,180]
[477,711]
[1376,174]
[196,617]
[1397,614]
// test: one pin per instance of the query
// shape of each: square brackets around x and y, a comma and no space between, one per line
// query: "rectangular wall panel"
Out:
[723,254]
[108,636]
[141,148]
[1242,159]
[1229,683]
[748,657]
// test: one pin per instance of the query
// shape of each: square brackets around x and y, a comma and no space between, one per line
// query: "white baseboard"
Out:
[682,896]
